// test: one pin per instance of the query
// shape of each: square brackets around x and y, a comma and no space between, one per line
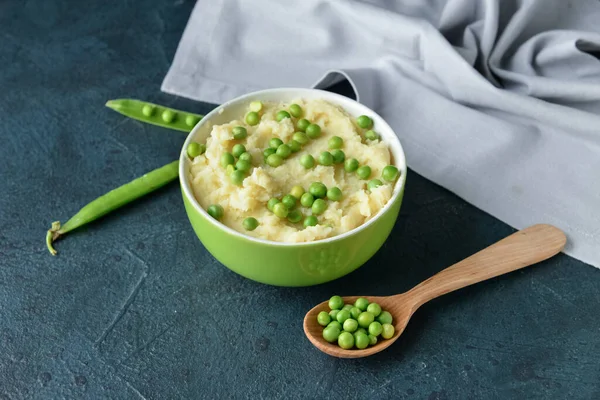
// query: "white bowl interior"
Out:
[237,107]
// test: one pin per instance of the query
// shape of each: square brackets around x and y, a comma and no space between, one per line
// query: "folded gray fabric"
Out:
[497,101]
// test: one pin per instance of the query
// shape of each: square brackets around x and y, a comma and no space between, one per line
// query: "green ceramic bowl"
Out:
[291,264]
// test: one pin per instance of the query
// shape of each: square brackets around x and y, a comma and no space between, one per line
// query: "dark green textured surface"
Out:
[134,307]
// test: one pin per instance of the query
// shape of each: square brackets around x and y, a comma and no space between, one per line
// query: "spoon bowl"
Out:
[519,250]
[396,305]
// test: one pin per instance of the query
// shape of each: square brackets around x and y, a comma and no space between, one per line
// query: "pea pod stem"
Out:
[155,114]
[114,199]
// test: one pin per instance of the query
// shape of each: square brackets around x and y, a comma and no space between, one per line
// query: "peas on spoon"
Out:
[519,250]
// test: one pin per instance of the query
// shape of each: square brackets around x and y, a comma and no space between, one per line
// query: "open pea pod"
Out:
[155,114]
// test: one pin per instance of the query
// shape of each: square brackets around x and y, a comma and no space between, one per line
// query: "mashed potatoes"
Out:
[212,184]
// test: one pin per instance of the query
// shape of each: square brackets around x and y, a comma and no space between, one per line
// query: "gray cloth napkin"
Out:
[497,101]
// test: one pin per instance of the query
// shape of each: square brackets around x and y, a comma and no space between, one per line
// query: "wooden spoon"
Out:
[519,250]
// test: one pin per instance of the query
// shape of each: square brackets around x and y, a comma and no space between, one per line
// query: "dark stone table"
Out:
[134,307]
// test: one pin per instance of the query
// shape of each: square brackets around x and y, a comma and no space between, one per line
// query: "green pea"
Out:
[230,168]
[375,328]
[245,157]
[331,334]
[355,312]
[297,191]
[310,220]
[351,165]
[323,318]
[387,331]
[256,106]
[319,207]
[374,183]
[372,340]
[336,303]
[338,156]
[364,122]
[347,307]
[361,303]
[307,161]
[238,150]
[289,201]
[267,152]
[284,151]
[239,133]
[271,203]
[363,330]
[313,131]
[334,194]
[361,340]
[251,224]
[325,158]
[296,110]
[374,309]
[350,325]
[294,146]
[237,177]
[215,211]
[307,200]
[364,172]
[302,124]
[243,165]
[384,318]
[227,159]
[252,118]
[346,340]
[168,116]
[274,160]
[390,173]
[365,318]
[191,120]
[335,142]
[300,137]
[342,316]
[281,115]
[334,321]
[148,110]
[195,149]
[317,189]
[295,216]
[274,143]
[280,210]
[333,315]
[371,135]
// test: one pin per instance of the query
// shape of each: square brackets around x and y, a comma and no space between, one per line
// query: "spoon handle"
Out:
[519,250]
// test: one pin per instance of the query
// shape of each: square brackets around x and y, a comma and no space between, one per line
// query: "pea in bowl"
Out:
[243,212]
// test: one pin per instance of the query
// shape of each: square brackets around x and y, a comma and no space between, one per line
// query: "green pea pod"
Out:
[155,114]
[114,199]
